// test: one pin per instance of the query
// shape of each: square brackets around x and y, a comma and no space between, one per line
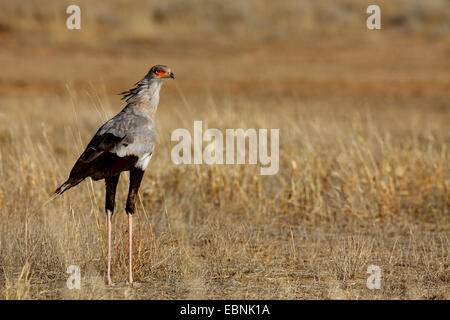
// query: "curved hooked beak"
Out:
[171,75]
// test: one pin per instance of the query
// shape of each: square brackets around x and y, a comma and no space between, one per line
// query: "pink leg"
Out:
[130,239]
[109,218]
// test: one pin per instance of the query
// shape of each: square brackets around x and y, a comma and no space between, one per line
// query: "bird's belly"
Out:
[111,165]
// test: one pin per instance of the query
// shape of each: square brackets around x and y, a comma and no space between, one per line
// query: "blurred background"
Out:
[290,45]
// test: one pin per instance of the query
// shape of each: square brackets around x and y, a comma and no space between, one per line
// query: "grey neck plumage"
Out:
[144,98]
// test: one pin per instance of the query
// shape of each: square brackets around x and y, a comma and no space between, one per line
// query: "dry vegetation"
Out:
[364,162]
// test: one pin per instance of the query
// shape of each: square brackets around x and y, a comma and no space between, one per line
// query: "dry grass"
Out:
[353,190]
[364,162]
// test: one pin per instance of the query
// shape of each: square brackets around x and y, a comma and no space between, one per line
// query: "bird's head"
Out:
[152,81]
[160,72]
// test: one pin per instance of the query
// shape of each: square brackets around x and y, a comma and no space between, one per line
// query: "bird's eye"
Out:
[157,71]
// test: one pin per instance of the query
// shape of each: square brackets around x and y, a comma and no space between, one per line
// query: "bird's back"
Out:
[122,142]
[117,146]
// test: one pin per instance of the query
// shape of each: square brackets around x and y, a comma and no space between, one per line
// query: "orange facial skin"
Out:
[162,74]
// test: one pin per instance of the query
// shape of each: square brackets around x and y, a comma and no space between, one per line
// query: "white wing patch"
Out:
[143,161]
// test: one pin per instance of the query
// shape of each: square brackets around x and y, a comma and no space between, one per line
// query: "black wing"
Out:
[99,145]
[93,161]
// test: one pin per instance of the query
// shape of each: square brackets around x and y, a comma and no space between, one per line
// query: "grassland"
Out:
[364,162]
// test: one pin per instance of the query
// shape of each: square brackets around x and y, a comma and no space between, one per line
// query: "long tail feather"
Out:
[66,186]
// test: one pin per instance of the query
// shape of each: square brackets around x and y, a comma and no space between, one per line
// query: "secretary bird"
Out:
[124,143]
